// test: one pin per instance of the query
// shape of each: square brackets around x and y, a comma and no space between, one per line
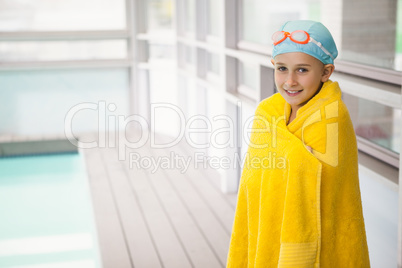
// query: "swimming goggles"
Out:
[299,37]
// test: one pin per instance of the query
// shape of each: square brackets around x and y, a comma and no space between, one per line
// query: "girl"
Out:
[307,212]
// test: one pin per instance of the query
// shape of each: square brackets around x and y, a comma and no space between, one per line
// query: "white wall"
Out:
[380,209]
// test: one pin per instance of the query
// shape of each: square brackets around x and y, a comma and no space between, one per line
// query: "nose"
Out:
[290,81]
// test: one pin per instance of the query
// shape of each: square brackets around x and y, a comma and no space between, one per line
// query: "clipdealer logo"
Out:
[112,128]
[201,160]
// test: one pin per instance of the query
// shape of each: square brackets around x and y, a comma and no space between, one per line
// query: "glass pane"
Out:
[159,15]
[377,41]
[62,50]
[190,56]
[214,13]
[398,51]
[38,101]
[50,15]
[248,75]
[366,32]
[161,52]
[190,15]
[213,63]
[261,18]
[375,122]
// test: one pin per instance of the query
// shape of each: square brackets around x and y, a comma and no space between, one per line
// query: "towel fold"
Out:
[298,208]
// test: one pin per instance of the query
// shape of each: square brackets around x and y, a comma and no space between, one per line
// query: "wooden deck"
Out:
[164,218]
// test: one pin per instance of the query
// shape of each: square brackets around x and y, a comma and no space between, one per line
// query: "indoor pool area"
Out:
[128,132]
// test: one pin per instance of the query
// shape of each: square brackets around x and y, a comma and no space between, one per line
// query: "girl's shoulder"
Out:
[273,105]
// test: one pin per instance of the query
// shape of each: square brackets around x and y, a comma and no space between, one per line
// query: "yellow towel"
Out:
[296,208]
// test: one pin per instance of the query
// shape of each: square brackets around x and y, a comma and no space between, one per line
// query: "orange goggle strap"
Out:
[308,39]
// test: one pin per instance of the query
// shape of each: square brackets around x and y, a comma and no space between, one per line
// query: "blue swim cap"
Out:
[318,32]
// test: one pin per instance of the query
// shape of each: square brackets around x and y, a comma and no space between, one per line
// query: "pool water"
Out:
[46,215]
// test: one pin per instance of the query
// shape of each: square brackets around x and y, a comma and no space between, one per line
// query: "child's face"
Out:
[298,77]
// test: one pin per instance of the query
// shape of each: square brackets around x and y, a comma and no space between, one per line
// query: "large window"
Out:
[56,55]
[47,30]
[37,102]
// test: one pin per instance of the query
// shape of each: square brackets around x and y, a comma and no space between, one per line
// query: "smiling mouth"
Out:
[293,92]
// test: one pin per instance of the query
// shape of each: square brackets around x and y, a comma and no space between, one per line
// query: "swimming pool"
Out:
[46,215]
